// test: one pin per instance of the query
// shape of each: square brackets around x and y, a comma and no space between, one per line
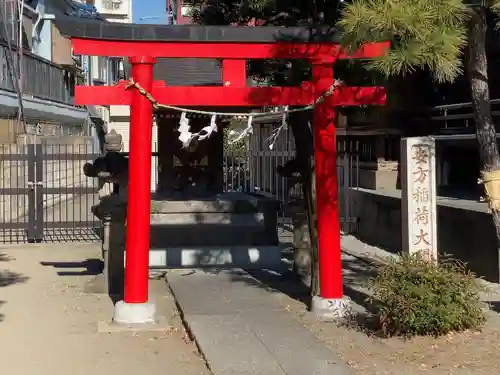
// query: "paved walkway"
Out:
[48,326]
[242,329]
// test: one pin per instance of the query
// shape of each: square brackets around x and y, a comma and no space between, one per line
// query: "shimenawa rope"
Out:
[186,137]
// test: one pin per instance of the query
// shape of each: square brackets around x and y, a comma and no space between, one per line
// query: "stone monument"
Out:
[112,170]
[418,198]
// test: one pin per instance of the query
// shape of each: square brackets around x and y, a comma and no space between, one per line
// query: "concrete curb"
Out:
[187,328]
[376,256]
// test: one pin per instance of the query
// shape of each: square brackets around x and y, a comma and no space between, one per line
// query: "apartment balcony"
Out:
[48,90]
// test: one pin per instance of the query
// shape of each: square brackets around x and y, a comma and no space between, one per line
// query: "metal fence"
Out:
[264,163]
[236,170]
[44,195]
[252,167]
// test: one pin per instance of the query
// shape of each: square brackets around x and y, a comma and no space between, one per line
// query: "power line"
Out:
[11,66]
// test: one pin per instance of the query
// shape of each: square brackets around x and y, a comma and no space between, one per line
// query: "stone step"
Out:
[231,231]
[247,257]
[212,229]
[212,235]
[222,203]
[212,218]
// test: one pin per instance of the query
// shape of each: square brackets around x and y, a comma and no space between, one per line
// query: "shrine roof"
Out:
[95,29]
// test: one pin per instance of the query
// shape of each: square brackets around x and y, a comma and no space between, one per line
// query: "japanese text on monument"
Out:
[421,210]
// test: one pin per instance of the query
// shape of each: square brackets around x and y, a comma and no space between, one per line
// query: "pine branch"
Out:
[424,34]
[495,8]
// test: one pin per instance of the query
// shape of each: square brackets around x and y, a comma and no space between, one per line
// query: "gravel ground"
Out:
[455,354]
[48,326]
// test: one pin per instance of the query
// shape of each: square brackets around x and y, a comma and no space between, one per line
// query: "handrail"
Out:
[41,78]
[28,53]
[460,105]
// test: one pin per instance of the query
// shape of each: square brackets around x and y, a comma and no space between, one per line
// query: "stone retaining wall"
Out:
[465,229]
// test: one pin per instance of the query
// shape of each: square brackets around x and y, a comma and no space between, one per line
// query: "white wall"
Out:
[115,10]
[120,122]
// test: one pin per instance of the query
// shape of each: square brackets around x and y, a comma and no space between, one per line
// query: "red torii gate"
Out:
[234,93]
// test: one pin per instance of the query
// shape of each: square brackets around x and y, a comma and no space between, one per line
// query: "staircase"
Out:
[229,230]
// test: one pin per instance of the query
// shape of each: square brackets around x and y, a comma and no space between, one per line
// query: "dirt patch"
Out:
[455,354]
[50,325]
[458,354]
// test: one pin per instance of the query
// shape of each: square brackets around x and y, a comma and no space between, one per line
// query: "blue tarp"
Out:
[31,3]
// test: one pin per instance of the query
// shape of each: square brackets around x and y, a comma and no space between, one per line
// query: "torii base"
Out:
[134,313]
[330,309]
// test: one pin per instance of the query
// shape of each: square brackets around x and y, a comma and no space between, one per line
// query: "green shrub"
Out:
[421,298]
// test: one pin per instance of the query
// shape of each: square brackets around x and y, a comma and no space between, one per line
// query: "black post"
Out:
[31,230]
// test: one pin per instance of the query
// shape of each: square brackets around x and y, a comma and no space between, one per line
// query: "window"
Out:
[186,11]
[111,4]
[114,70]
[99,69]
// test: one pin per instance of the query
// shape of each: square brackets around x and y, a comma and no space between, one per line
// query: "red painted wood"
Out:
[234,73]
[320,52]
[139,187]
[231,96]
[327,193]
[102,95]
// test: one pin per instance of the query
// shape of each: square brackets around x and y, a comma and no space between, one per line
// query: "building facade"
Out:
[116,117]
[179,12]
[113,10]
[103,70]
[39,72]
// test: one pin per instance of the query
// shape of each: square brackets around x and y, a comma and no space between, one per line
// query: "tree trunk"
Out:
[304,153]
[310,188]
[477,69]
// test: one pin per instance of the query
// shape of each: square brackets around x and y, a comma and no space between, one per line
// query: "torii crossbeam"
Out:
[234,92]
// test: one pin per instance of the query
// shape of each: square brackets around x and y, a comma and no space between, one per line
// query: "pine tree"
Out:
[425,35]
[437,36]
[281,13]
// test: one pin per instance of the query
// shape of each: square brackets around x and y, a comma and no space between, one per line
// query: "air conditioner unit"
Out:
[111,4]
[102,112]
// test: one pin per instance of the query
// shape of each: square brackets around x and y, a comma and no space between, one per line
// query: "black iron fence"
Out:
[252,167]
[44,195]
[236,170]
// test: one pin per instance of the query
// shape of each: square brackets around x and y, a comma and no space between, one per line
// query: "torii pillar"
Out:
[330,301]
[135,307]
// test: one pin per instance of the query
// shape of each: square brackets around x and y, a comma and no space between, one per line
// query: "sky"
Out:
[152,10]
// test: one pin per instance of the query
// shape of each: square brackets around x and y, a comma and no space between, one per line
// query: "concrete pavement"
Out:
[242,329]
